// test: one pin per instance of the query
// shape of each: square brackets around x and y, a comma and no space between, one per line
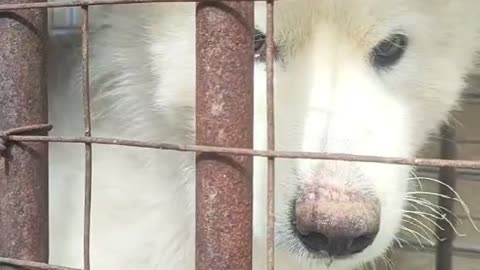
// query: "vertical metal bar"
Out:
[224,117]
[88,146]
[271,139]
[23,166]
[447,175]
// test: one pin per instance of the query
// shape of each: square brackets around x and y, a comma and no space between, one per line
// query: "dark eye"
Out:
[389,51]
[260,46]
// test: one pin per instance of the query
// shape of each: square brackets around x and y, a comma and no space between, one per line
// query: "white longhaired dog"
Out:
[367,77]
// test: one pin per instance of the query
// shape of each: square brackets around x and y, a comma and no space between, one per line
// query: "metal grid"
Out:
[212,19]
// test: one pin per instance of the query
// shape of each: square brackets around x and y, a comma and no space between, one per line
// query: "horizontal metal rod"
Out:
[32,264]
[249,152]
[78,3]
[458,250]
[465,141]
[470,175]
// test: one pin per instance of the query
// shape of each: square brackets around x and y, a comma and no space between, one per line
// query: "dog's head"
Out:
[358,77]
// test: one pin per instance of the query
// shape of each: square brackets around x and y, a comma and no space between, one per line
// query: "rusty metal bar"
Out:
[23,166]
[224,117]
[448,176]
[270,138]
[88,146]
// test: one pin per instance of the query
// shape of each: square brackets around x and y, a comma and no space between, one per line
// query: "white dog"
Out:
[369,77]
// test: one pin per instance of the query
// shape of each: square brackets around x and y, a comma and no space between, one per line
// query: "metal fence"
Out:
[24,152]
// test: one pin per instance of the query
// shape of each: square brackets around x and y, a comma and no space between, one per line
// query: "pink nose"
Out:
[336,223]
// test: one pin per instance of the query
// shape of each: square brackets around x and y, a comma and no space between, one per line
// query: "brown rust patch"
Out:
[23,166]
[224,117]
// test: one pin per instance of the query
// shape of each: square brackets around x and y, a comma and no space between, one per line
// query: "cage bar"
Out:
[448,150]
[88,146]
[23,166]
[224,117]
[270,138]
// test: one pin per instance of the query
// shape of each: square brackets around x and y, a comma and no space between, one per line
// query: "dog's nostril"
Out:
[336,246]
[362,242]
[315,241]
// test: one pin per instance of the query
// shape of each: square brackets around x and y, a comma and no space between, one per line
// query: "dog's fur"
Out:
[328,98]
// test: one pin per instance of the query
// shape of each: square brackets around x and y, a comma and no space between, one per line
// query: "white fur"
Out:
[328,98]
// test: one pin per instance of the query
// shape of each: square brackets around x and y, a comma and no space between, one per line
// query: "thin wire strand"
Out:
[31,129]
[271,140]
[32,264]
[88,145]
[425,162]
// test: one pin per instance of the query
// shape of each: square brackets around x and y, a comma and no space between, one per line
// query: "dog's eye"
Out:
[260,46]
[389,51]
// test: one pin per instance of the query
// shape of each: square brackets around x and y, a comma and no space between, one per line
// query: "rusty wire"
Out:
[33,129]
[270,139]
[32,264]
[425,162]
[88,146]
